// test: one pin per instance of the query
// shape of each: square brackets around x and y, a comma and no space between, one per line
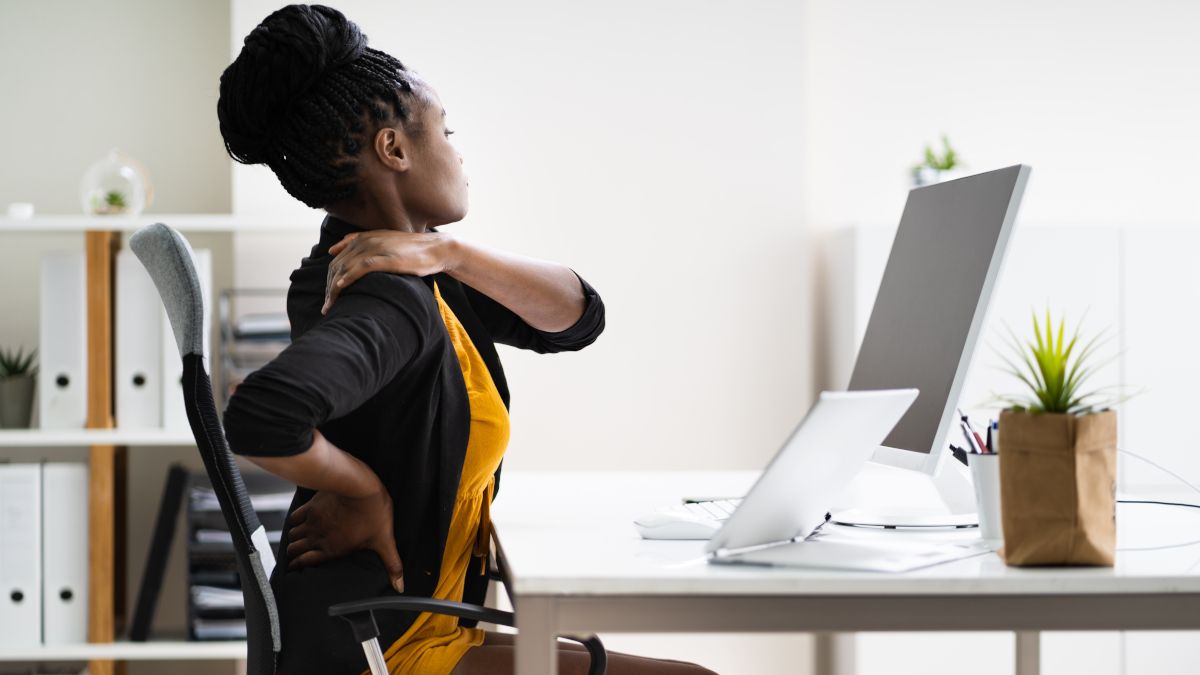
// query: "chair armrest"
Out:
[361,616]
[460,609]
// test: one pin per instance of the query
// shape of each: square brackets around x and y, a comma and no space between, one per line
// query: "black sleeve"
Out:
[374,329]
[507,327]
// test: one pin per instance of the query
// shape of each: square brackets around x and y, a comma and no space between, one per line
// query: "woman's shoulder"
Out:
[402,302]
[407,290]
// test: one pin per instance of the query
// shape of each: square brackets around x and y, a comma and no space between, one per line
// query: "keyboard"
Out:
[694,519]
[717,509]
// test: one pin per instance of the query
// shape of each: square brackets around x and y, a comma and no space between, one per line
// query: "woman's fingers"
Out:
[311,557]
[331,291]
[345,241]
[386,548]
[299,515]
[298,532]
[341,276]
[298,547]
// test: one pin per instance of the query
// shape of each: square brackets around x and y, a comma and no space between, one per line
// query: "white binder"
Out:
[138,378]
[62,350]
[20,555]
[174,413]
[64,553]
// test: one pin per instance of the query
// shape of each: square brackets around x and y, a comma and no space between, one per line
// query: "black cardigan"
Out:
[379,377]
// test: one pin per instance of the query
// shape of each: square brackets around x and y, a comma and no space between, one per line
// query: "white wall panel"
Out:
[1162,359]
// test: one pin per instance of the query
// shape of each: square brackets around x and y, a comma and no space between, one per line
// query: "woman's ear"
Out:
[393,149]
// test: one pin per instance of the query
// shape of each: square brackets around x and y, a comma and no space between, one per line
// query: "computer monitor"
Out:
[931,306]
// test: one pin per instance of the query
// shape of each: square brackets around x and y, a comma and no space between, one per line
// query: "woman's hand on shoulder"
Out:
[331,526]
[358,253]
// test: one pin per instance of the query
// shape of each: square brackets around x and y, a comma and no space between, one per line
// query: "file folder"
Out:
[138,378]
[64,553]
[20,555]
[62,338]
[173,412]
[160,549]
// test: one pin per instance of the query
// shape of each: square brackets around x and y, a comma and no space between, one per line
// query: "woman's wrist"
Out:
[452,251]
[324,466]
[346,475]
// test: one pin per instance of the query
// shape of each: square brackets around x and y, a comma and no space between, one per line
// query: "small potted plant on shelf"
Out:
[936,168]
[17,375]
[1058,452]
[114,203]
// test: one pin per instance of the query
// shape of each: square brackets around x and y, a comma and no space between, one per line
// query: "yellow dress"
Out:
[435,642]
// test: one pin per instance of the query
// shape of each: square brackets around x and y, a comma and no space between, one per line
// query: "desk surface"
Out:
[570,533]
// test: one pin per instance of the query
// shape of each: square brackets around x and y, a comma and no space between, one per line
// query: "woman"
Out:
[389,408]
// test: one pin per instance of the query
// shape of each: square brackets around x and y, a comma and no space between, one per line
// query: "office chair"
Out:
[168,257]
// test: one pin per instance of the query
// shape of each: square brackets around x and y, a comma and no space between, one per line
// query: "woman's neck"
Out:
[375,217]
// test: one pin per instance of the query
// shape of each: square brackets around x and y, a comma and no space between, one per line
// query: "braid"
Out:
[305,94]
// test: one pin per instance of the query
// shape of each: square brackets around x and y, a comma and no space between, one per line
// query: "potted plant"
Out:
[114,202]
[17,375]
[1058,453]
[936,168]
[115,185]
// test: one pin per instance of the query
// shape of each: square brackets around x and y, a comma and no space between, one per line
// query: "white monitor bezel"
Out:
[930,463]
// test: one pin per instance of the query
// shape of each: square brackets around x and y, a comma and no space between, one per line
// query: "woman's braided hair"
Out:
[305,94]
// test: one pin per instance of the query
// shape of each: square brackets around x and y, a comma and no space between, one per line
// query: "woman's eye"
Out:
[448,132]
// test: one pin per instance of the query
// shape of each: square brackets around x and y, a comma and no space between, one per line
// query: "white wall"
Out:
[1100,97]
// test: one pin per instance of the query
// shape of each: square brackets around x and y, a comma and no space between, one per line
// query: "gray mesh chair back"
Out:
[169,259]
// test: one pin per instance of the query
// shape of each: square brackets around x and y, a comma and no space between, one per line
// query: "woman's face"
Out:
[435,189]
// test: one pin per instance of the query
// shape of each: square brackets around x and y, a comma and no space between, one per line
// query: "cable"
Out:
[1151,501]
[1165,470]
[1177,477]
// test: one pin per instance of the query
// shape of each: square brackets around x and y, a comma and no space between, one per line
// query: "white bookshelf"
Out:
[153,650]
[64,438]
[185,222]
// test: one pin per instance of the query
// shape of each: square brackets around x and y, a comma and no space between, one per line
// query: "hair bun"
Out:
[282,59]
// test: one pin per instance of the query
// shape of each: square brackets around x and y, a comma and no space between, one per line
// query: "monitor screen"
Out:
[935,290]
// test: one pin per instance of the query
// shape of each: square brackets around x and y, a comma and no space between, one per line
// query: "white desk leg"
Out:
[536,643]
[1029,652]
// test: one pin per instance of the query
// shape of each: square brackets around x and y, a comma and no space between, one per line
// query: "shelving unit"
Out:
[107,446]
[186,222]
[66,438]
[155,650]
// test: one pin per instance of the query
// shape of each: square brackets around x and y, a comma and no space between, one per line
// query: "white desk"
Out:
[575,564]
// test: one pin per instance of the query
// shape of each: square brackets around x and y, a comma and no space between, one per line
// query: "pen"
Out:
[978,438]
[973,438]
[990,446]
[966,431]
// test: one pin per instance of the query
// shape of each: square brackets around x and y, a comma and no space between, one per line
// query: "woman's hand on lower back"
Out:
[330,526]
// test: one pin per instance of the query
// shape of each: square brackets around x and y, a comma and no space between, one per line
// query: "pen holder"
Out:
[985,474]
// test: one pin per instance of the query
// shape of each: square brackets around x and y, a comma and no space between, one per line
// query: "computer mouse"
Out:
[675,524]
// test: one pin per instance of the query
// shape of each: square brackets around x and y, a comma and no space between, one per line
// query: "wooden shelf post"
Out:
[100,246]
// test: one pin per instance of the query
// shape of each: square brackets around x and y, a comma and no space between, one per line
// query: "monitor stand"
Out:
[890,497]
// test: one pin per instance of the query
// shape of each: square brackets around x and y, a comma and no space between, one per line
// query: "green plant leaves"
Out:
[944,162]
[16,363]
[1054,368]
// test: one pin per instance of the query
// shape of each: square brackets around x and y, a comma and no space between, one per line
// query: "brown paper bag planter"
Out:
[1058,488]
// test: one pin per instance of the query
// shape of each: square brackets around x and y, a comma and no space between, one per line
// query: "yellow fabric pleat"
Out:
[435,642]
